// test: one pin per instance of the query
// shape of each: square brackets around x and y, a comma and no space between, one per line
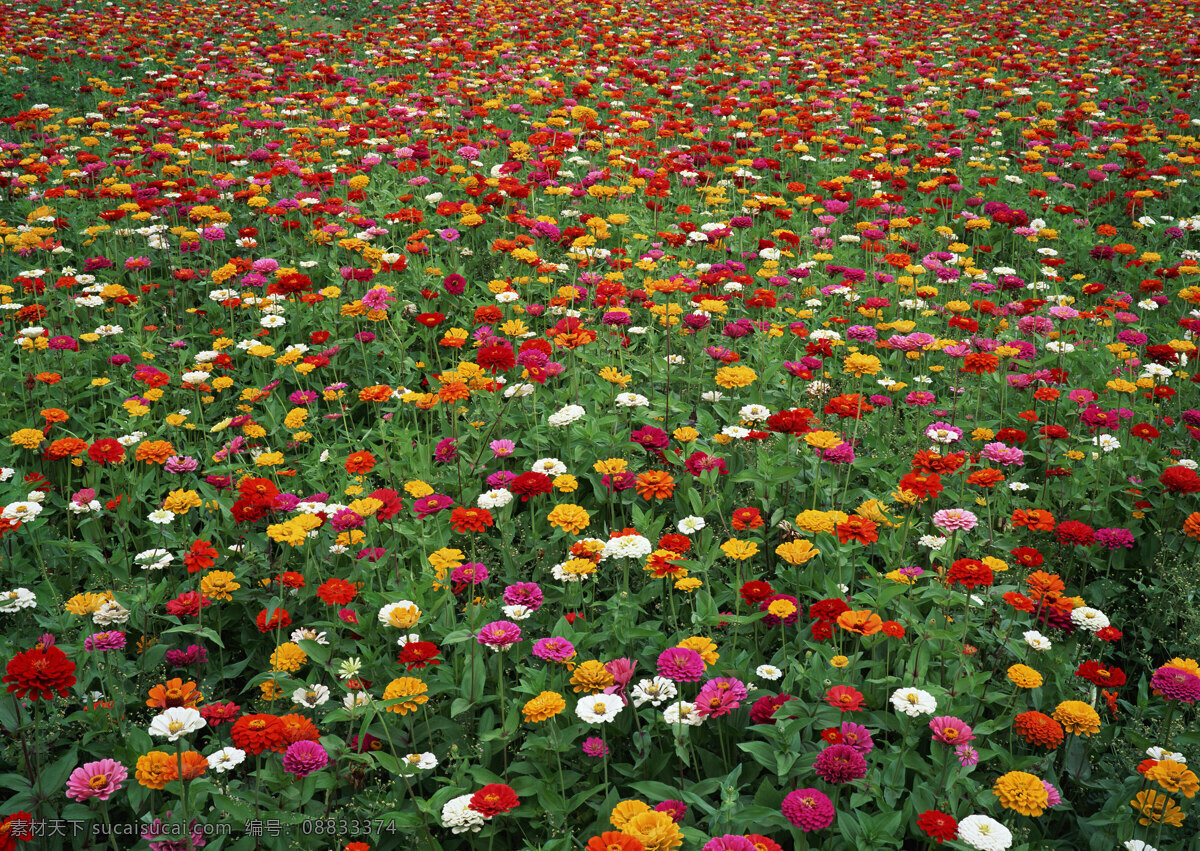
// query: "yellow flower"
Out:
[839,661]
[625,810]
[566,483]
[445,560]
[181,501]
[875,511]
[614,376]
[1022,793]
[218,585]
[289,532]
[782,608]
[739,550]
[704,646]
[731,377]
[611,466]
[591,676]
[1023,676]
[569,517]
[685,434]
[859,364]
[657,831]
[271,690]
[1174,777]
[417,489]
[29,438]
[410,690]
[1157,808]
[822,439]
[543,707]
[797,552]
[688,584]
[86,603]
[1077,717]
[288,657]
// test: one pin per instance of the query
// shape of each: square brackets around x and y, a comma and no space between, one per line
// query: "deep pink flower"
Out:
[808,809]
[840,764]
[96,780]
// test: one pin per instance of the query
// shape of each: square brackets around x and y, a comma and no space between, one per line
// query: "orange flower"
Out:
[655,484]
[862,622]
[377,393]
[1106,230]
[1036,519]
[66,447]
[1191,526]
[156,769]
[1043,584]
[297,728]
[194,765]
[1124,248]
[54,415]
[611,840]
[360,463]
[857,529]
[174,693]
[985,478]
[154,451]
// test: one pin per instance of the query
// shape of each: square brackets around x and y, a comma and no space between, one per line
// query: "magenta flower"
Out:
[158,830]
[427,506]
[715,702]
[102,641]
[96,780]
[858,737]
[1176,684]
[499,635]
[594,746]
[681,664]
[808,809]
[377,299]
[950,731]
[840,764]
[526,594]
[968,757]
[553,649]
[304,757]
[728,842]
[471,573]
[502,448]
[1053,796]
[676,809]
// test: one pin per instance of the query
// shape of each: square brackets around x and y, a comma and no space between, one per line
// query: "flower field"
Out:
[629,427]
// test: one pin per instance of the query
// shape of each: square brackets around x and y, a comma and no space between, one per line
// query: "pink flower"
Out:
[499,635]
[950,731]
[96,780]
[304,757]
[955,520]
[377,299]
[553,649]
[840,764]
[808,809]
[103,641]
[681,664]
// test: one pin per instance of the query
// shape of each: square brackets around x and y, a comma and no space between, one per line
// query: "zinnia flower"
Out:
[96,780]
[808,809]
[304,757]
[840,764]
[1021,792]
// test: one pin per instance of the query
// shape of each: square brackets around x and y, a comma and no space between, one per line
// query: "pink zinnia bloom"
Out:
[1053,797]
[808,809]
[103,641]
[377,299]
[858,737]
[681,664]
[715,702]
[502,448]
[955,520]
[553,649]
[839,764]
[728,842]
[304,757]
[950,731]
[96,780]
[499,635]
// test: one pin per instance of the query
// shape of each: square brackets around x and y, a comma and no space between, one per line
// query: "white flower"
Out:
[682,713]
[225,759]
[195,377]
[816,388]
[712,396]
[1138,845]
[690,525]
[350,668]
[405,640]
[110,613]
[655,691]
[356,699]
[632,400]
[421,760]
[497,498]
[6,473]
[754,413]
[1155,752]
[23,511]
[153,559]
[459,817]
[566,415]
[306,634]
[161,517]
[385,613]
[1017,487]
[1106,442]
[518,390]
[736,432]
[913,702]
[627,546]
[768,672]
[312,696]
[549,466]
[599,708]
[1036,640]
[1089,619]
[934,542]
[17,599]
[177,721]
[984,833]
[516,613]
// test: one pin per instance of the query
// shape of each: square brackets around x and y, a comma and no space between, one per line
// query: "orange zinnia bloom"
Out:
[857,529]
[862,623]
[655,484]
[194,765]
[54,415]
[156,769]
[297,728]
[1042,584]
[377,393]
[174,693]
[154,451]
[1037,519]
[985,478]
[360,462]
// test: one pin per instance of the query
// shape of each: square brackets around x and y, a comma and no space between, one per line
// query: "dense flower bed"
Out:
[632,426]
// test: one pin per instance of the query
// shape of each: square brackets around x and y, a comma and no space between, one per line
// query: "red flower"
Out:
[419,654]
[1100,675]
[360,463]
[675,543]
[845,698]
[755,592]
[14,828]
[970,573]
[893,630]
[1027,557]
[828,610]
[493,799]
[527,485]
[471,519]
[430,320]
[217,714]
[1180,480]
[937,825]
[857,529]
[106,451]
[274,619]
[794,421]
[497,358]
[832,735]
[337,592]
[849,406]
[259,732]
[39,673]
[200,556]
[189,603]
[747,518]
[762,843]
[1076,533]
[922,485]
[392,504]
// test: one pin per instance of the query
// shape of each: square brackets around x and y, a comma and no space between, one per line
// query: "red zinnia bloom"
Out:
[39,673]
[527,485]
[106,451]
[1019,602]
[419,654]
[14,828]
[828,610]
[430,320]
[922,485]
[1074,532]
[763,843]
[497,358]
[857,529]
[936,825]
[1027,557]
[893,630]
[200,556]
[471,519]
[217,714]
[754,592]
[1180,480]
[1101,675]
[845,698]
[360,463]
[675,543]
[189,603]
[795,421]
[970,573]
[259,732]
[337,592]
[392,504]
[493,799]
[274,619]
[747,518]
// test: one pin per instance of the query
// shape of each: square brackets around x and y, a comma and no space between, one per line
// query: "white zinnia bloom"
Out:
[599,708]
[984,833]
[177,721]
[311,696]
[913,702]
[497,498]
[110,614]
[566,415]
[682,713]
[17,599]
[768,672]
[1036,640]
[459,817]
[655,691]
[225,759]
[690,525]
[1089,619]
[549,466]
